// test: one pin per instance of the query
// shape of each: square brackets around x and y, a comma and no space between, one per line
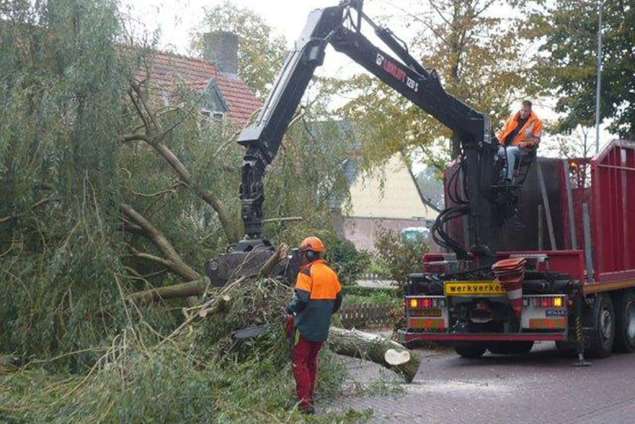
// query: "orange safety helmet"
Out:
[312,243]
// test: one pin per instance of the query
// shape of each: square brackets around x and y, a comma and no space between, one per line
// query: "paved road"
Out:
[540,387]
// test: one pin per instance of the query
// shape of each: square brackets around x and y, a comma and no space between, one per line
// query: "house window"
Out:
[212,116]
[213,105]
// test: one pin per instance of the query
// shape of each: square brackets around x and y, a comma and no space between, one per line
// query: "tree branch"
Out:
[198,286]
[171,189]
[161,261]
[206,196]
[283,219]
[177,264]
[133,137]
[140,113]
[154,135]
[439,12]
[192,288]
[36,205]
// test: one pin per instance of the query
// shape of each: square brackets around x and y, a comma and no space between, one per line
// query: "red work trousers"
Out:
[305,356]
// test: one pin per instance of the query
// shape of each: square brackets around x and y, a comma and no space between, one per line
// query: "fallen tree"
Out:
[354,343]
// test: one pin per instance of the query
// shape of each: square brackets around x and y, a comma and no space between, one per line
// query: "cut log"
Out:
[375,348]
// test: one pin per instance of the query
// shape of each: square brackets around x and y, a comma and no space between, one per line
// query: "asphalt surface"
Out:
[539,387]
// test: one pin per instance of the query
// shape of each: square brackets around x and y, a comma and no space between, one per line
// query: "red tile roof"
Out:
[166,69]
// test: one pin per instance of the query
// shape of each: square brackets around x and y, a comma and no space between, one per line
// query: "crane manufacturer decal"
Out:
[393,69]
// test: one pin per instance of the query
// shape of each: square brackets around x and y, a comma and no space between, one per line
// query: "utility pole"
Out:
[598,83]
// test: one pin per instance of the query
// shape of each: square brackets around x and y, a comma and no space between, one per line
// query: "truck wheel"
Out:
[603,334]
[470,351]
[511,348]
[625,322]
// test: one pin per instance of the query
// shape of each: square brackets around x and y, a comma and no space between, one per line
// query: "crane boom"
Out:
[336,26]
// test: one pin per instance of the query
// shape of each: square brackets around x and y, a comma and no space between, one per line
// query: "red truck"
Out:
[572,250]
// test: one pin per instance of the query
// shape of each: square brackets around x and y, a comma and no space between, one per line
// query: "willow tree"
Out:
[85,216]
[63,82]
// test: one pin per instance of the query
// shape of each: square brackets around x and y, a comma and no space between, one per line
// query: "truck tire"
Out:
[625,322]
[470,351]
[602,335]
[511,348]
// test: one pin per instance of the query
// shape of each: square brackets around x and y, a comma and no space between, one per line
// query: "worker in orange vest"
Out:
[316,298]
[521,134]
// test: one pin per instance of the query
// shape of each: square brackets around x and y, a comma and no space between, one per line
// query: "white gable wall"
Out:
[399,198]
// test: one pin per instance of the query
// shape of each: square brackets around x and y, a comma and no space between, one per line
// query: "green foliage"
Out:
[62,84]
[64,173]
[349,262]
[201,375]
[399,257]
[307,179]
[166,385]
[566,66]
[69,256]
[260,53]
[361,291]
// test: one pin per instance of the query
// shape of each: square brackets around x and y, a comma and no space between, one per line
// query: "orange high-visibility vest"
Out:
[532,128]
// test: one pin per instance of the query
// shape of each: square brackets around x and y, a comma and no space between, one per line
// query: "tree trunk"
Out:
[174,261]
[375,348]
[191,288]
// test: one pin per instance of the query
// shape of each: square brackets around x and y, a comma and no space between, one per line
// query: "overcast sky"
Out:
[177,19]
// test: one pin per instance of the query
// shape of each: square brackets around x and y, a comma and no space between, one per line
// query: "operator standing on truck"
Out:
[521,134]
[317,297]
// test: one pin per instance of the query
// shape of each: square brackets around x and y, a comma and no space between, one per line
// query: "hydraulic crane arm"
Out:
[336,26]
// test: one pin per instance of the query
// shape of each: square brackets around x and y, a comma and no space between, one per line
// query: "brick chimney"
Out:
[221,48]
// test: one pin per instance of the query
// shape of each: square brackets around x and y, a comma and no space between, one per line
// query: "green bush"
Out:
[399,257]
[349,262]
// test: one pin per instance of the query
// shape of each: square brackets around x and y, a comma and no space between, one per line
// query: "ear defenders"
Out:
[311,255]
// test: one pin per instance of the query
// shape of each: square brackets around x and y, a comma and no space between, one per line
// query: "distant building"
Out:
[388,198]
[215,76]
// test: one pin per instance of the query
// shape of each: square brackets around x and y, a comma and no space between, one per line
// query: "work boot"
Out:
[307,409]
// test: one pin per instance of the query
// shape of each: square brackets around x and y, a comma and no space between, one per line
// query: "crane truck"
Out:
[495,287]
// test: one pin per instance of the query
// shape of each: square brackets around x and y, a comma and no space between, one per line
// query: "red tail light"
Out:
[425,302]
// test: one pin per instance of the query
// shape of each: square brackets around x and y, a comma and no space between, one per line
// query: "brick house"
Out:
[215,76]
